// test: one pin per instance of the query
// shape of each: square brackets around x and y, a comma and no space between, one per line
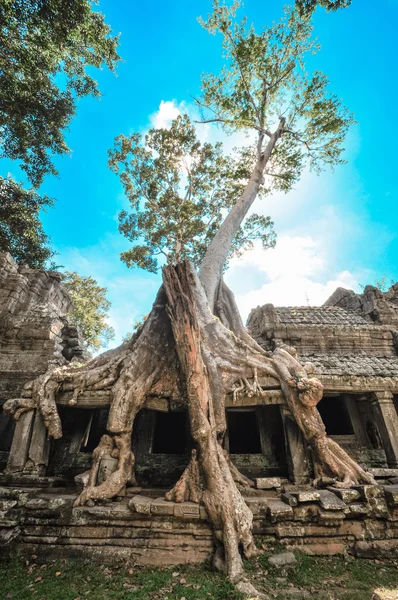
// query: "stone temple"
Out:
[352,343]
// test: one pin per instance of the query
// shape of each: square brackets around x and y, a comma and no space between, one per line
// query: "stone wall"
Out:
[34,328]
[151,531]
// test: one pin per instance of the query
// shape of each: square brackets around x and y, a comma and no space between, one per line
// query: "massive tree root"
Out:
[199,353]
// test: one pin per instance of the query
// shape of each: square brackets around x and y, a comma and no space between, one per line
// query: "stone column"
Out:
[387,423]
[351,402]
[296,449]
[39,447]
[21,442]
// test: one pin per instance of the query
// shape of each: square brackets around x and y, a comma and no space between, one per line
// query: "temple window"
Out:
[334,413]
[243,432]
[169,436]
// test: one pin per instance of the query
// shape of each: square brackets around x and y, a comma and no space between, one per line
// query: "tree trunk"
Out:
[212,265]
[183,348]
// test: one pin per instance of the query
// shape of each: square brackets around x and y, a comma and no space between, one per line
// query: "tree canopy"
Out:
[91,308]
[48,47]
[180,190]
[21,231]
[265,82]
[307,7]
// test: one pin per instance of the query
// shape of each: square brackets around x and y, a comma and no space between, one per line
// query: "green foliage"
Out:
[381,284]
[91,308]
[47,49]
[307,7]
[263,82]
[21,231]
[180,190]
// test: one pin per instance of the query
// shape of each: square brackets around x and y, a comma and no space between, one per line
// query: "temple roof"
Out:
[318,315]
[353,365]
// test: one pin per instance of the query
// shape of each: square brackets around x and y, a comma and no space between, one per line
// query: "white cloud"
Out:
[167,111]
[292,274]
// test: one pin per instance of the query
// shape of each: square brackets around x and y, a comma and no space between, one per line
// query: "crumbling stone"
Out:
[267,483]
[283,559]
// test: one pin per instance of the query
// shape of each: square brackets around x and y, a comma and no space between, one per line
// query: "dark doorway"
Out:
[96,428]
[169,435]
[243,433]
[335,416]
[7,428]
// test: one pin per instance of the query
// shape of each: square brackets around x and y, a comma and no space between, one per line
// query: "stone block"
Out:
[331,518]
[346,495]
[289,499]
[376,549]
[253,504]
[186,510]
[330,501]
[283,559]
[36,504]
[323,549]
[307,496]
[358,509]
[290,530]
[391,493]
[160,506]
[5,505]
[267,483]
[306,512]
[140,504]
[278,510]
[384,473]
[203,513]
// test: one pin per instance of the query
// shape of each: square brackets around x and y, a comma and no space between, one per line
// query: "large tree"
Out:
[47,50]
[179,190]
[193,343]
[91,308]
[21,231]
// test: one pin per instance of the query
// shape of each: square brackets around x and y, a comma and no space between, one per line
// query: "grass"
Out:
[342,578]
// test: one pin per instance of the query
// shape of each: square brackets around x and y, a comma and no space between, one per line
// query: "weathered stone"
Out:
[290,530]
[267,483]
[347,495]
[36,503]
[160,506]
[185,510]
[391,492]
[384,473]
[323,549]
[278,510]
[283,559]
[376,549]
[331,518]
[307,496]
[9,535]
[140,504]
[289,499]
[358,509]
[330,501]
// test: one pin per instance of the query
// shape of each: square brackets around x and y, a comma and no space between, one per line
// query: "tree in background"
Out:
[21,231]
[91,310]
[48,47]
[193,345]
[47,50]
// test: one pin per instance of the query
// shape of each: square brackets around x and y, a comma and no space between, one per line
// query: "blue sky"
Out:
[335,229]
